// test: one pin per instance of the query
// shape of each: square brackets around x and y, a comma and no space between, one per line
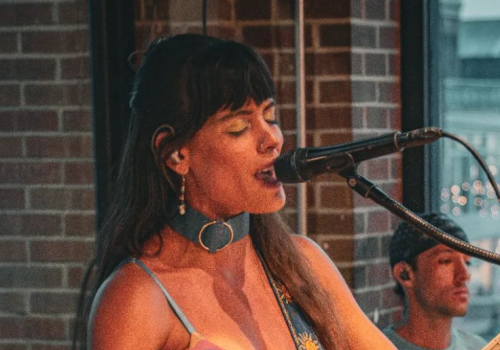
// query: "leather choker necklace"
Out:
[213,235]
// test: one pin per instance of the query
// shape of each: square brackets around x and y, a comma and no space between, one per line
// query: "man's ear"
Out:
[404,274]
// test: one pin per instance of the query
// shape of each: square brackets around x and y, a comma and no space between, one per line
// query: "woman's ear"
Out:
[178,161]
[403,273]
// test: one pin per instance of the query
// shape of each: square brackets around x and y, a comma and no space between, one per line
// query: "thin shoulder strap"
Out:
[175,308]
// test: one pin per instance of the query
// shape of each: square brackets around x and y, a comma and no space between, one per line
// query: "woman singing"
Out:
[192,253]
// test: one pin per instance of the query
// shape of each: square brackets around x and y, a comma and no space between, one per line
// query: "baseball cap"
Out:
[408,242]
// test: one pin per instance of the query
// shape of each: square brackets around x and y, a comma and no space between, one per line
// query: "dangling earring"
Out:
[182,200]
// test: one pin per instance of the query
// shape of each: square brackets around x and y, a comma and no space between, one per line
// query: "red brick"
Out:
[340,250]
[75,68]
[10,147]
[13,303]
[326,9]
[375,9]
[379,274]
[51,346]
[337,35]
[330,224]
[395,10]
[77,121]
[19,120]
[14,346]
[335,92]
[59,147]
[55,41]
[11,198]
[32,328]
[11,251]
[7,121]
[359,221]
[389,92]
[30,173]
[389,37]
[10,95]
[253,10]
[375,64]
[369,300]
[73,12]
[62,199]
[328,118]
[53,302]
[27,69]
[364,91]
[284,10]
[357,66]
[339,197]
[287,118]
[9,42]
[334,139]
[57,95]
[75,277]
[395,64]
[267,37]
[378,169]
[30,225]
[25,14]
[348,274]
[286,64]
[328,64]
[366,248]
[269,59]
[30,277]
[79,173]
[378,221]
[377,118]
[396,168]
[80,225]
[53,251]
[364,36]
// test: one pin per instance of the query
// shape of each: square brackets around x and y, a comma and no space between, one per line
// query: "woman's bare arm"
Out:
[129,312]
[361,333]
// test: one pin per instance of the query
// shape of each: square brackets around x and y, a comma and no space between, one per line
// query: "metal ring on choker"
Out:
[215,222]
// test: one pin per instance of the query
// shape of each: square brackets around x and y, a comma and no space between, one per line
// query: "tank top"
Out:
[302,333]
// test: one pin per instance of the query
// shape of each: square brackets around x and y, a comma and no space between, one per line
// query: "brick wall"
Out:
[46,192]
[46,170]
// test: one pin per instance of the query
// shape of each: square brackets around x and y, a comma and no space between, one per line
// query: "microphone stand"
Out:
[368,189]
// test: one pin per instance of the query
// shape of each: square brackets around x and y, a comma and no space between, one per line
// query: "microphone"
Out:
[302,164]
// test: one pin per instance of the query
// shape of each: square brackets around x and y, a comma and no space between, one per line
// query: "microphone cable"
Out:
[368,189]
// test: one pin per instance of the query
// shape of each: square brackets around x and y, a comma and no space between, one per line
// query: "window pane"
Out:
[466,49]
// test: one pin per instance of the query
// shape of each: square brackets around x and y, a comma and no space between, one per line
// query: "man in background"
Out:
[432,279]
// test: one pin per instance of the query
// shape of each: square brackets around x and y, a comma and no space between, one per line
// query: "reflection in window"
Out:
[467,50]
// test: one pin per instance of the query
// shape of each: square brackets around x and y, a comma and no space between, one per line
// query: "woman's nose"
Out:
[271,139]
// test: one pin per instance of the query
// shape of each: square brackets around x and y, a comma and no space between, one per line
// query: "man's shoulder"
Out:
[468,341]
[398,341]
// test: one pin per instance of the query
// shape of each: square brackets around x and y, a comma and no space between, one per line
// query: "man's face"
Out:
[441,277]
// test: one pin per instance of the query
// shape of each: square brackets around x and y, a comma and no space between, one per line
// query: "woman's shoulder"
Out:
[130,311]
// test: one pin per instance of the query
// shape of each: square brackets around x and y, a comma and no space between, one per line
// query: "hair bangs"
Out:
[230,75]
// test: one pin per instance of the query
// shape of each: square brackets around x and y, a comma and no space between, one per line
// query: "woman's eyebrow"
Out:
[244,112]
[235,114]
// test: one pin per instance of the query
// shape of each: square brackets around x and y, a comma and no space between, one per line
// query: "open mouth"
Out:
[267,175]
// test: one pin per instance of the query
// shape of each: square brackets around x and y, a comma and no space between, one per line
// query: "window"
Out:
[464,68]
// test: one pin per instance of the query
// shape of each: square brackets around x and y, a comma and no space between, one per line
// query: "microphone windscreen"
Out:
[286,168]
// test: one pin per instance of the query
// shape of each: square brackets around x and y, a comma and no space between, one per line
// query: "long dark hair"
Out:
[182,82]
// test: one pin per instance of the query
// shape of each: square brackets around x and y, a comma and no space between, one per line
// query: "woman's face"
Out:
[231,162]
